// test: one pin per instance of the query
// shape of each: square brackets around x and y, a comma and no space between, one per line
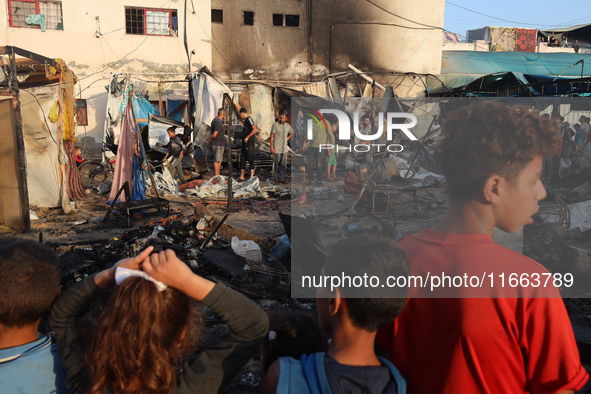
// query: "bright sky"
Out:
[541,14]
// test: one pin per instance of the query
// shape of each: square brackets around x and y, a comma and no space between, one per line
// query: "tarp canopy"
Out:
[507,84]
[483,63]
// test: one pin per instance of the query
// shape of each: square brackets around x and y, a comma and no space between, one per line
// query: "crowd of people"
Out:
[135,327]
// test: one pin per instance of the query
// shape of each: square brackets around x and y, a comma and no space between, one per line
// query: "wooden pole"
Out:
[20,145]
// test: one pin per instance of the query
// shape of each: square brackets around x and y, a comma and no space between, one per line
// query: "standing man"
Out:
[175,151]
[281,132]
[585,127]
[366,130]
[249,135]
[315,159]
[218,141]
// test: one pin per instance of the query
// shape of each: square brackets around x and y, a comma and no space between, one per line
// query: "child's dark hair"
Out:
[291,334]
[486,138]
[377,258]
[243,110]
[29,279]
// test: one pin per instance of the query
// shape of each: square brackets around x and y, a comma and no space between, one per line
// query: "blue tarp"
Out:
[143,108]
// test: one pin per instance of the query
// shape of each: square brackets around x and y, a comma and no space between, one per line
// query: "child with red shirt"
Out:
[493,339]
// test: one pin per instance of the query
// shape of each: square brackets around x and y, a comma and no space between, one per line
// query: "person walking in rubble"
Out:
[585,127]
[175,153]
[249,136]
[331,159]
[217,140]
[366,129]
[281,132]
[315,158]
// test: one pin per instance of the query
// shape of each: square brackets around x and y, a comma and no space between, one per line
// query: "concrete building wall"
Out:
[94,44]
[261,50]
[381,35]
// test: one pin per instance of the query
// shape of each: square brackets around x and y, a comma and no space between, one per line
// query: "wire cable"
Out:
[402,17]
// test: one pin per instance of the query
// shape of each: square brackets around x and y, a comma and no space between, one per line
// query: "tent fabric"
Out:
[481,34]
[526,40]
[502,39]
[124,164]
[173,105]
[143,108]
[76,189]
[41,148]
[483,63]
[586,26]
[261,108]
[209,97]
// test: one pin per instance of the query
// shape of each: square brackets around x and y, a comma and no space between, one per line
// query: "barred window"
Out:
[286,20]
[18,11]
[152,22]
[217,16]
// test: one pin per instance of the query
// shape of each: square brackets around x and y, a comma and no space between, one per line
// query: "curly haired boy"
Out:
[492,340]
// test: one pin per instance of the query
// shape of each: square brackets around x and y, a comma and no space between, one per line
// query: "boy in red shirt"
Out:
[492,339]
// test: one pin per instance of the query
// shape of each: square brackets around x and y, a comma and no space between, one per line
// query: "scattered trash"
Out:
[205,223]
[247,249]
[217,187]
[33,216]
[281,248]
[104,188]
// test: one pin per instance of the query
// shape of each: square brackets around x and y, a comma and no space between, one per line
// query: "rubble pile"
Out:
[193,239]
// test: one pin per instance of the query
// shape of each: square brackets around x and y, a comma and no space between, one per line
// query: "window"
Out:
[81,117]
[277,19]
[151,22]
[217,16]
[292,20]
[18,11]
[249,18]
[289,20]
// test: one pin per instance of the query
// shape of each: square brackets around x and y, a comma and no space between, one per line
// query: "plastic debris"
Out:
[247,249]
[217,187]
[281,248]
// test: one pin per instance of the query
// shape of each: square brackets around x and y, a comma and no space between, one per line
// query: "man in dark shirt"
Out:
[249,135]
[217,140]
[175,150]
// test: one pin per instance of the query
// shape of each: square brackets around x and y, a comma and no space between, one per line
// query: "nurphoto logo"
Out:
[394,121]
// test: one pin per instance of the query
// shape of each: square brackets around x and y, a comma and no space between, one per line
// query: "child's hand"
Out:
[167,268]
[107,277]
[134,262]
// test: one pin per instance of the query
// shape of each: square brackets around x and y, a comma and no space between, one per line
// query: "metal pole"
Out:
[229,150]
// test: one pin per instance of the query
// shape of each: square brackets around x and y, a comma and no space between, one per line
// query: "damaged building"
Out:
[304,40]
